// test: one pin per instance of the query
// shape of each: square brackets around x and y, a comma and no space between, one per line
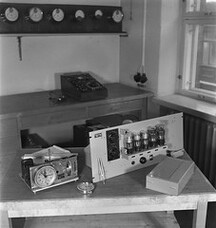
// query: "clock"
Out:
[117,16]
[58,15]
[11,14]
[79,15]
[35,14]
[45,176]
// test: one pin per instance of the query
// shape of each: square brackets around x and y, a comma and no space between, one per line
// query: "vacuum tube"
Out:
[129,143]
[152,137]
[144,140]
[161,135]
[137,142]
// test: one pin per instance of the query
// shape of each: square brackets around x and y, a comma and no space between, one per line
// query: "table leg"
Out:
[4,220]
[199,216]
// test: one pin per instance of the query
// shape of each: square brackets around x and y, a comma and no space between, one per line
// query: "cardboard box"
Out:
[170,176]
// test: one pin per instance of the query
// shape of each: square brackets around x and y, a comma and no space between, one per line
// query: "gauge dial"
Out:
[58,15]
[11,14]
[35,14]
[98,14]
[117,16]
[79,15]
[45,176]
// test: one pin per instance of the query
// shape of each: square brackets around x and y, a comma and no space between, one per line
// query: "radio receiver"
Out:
[82,87]
[117,150]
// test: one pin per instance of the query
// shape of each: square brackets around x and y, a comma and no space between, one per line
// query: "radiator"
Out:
[200,143]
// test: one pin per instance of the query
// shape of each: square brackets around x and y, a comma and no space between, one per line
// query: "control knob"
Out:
[143,160]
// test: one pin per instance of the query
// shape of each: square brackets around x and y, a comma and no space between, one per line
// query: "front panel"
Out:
[121,149]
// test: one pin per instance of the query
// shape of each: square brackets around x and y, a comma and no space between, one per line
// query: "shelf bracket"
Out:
[19,47]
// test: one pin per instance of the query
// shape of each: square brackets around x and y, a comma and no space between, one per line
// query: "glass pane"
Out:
[209,45]
[210,6]
[206,58]
[194,6]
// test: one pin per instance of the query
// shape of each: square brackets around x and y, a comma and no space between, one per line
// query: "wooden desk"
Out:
[122,194]
[25,111]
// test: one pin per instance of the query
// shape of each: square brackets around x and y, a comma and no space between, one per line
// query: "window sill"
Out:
[188,105]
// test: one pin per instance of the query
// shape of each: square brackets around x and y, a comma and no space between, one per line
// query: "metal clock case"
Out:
[49,174]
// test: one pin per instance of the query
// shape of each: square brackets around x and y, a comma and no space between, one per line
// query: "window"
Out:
[199,52]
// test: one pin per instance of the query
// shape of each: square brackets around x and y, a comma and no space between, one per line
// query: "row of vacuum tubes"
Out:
[151,138]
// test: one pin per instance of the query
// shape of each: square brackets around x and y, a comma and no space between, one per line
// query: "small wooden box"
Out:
[170,176]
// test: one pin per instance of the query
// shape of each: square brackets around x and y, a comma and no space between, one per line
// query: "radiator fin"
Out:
[200,143]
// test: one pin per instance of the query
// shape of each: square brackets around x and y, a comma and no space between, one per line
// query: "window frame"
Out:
[188,19]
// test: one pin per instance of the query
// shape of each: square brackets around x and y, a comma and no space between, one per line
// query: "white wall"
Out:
[46,56]
[169,38]
[162,26]
[131,47]
[109,57]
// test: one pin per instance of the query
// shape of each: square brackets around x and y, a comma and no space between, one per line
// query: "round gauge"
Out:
[45,176]
[117,16]
[35,14]
[58,15]
[98,14]
[11,14]
[79,15]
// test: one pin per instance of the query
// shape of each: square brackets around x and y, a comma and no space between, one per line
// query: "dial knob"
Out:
[98,14]
[35,14]
[58,15]
[79,15]
[11,14]
[143,160]
[117,16]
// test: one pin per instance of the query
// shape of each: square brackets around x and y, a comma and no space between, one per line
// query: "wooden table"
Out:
[122,194]
[25,111]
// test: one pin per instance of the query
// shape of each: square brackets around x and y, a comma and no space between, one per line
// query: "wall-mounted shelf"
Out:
[53,19]
[122,34]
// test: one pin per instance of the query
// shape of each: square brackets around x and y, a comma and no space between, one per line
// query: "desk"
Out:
[29,110]
[122,194]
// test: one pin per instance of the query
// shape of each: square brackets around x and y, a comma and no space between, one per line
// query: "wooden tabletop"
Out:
[122,194]
[38,101]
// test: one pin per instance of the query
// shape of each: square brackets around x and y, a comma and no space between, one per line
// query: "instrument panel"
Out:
[117,150]
[56,18]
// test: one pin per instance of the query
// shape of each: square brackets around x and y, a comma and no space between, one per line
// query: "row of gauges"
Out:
[35,14]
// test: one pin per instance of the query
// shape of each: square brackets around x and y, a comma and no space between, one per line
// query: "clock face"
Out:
[117,16]
[11,14]
[45,176]
[58,14]
[35,14]
[79,15]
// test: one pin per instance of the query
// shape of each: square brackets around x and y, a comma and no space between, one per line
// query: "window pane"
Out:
[200,6]
[209,45]
[206,67]
[199,72]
